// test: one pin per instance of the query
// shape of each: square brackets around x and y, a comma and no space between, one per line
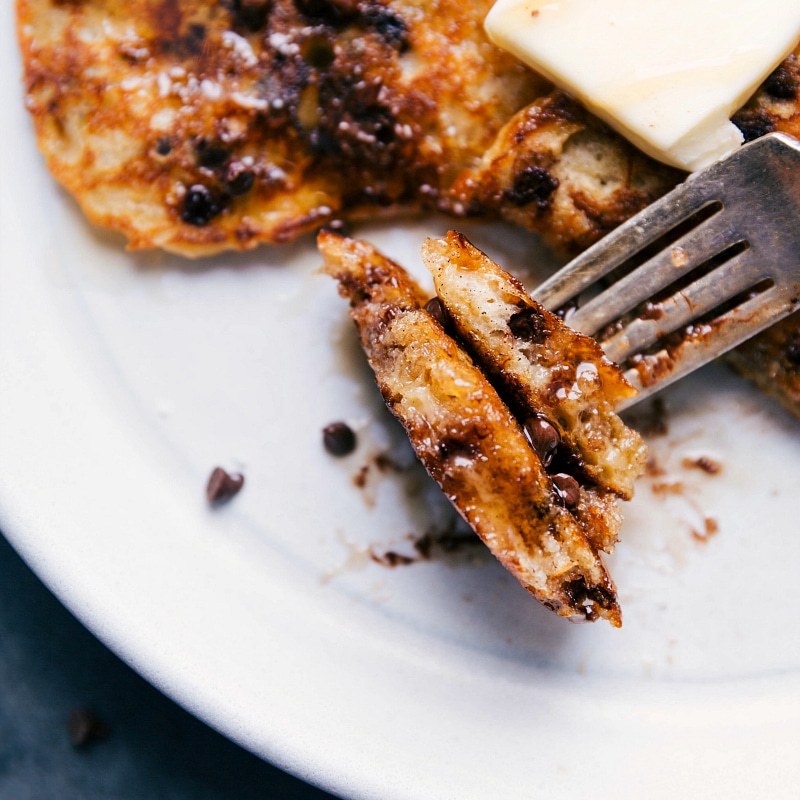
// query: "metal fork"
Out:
[743,211]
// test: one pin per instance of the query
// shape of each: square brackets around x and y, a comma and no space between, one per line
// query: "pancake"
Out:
[197,126]
[517,466]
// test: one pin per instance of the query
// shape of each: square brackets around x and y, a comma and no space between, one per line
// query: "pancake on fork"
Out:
[523,468]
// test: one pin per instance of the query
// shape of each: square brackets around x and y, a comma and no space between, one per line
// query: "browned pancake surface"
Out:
[198,126]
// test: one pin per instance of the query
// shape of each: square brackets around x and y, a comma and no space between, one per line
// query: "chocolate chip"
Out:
[463,445]
[529,326]
[210,155]
[388,24]
[542,436]
[199,206]
[252,13]
[435,308]
[197,31]
[339,439]
[223,486]
[753,123]
[568,489]
[163,146]
[532,185]
[331,12]
[781,85]
[581,594]
[239,179]
[84,727]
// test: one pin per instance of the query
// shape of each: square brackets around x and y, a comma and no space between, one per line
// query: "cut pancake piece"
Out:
[545,370]
[467,438]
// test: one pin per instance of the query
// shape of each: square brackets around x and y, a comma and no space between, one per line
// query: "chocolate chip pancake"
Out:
[519,467]
[199,126]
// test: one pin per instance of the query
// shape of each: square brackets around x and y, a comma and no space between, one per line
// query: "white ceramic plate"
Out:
[125,378]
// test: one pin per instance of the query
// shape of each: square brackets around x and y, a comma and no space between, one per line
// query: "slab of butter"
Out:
[667,74]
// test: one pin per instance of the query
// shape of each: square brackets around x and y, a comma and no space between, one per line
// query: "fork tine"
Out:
[727,331]
[774,157]
[694,248]
[623,242]
[690,303]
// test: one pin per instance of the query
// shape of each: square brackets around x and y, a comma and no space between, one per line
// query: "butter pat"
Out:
[666,74]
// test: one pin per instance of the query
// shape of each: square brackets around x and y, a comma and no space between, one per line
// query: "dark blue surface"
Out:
[50,664]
